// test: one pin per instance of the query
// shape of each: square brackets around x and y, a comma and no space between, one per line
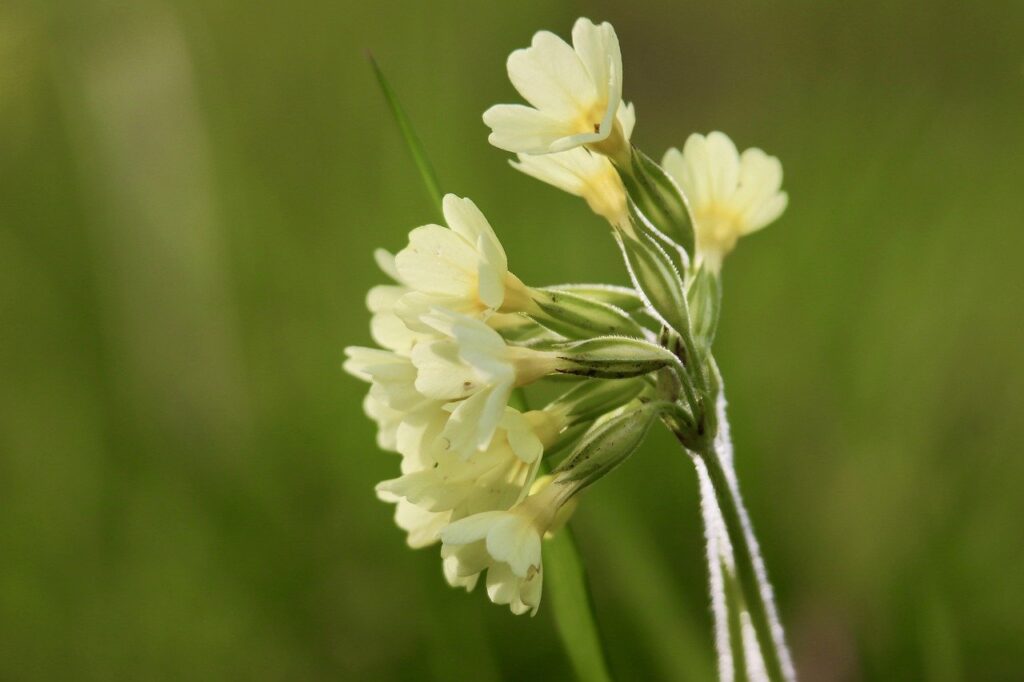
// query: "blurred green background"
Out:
[190,192]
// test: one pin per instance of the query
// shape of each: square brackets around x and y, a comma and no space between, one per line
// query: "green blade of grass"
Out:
[574,616]
[666,621]
[570,597]
[412,141]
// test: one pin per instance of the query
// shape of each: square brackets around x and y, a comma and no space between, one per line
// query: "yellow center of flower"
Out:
[546,425]
[589,119]
[717,228]
[614,145]
[517,296]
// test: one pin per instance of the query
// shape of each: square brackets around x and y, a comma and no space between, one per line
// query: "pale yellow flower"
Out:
[585,174]
[437,486]
[436,479]
[393,401]
[574,93]
[470,363]
[392,377]
[461,267]
[507,544]
[386,327]
[422,527]
[388,421]
[730,194]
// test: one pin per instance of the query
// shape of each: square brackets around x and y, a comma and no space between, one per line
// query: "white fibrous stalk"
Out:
[719,558]
[723,445]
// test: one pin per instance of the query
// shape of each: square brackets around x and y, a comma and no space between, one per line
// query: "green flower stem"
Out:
[691,367]
[735,609]
[733,514]
[683,373]
[694,361]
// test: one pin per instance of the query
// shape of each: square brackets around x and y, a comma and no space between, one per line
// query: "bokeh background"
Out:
[190,192]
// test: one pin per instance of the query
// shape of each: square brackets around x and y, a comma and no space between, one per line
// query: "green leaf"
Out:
[574,616]
[412,141]
[666,618]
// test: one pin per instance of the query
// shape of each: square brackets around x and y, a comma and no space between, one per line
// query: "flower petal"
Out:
[514,540]
[439,261]
[385,260]
[470,529]
[502,584]
[521,437]
[518,128]
[423,527]
[724,166]
[451,565]
[530,592]
[491,271]
[598,48]
[627,118]
[439,372]
[563,170]
[550,76]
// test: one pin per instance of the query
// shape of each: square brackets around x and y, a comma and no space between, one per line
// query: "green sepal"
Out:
[591,399]
[611,357]
[655,276]
[659,199]
[566,441]
[704,297]
[624,298]
[607,446]
[520,328]
[577,316]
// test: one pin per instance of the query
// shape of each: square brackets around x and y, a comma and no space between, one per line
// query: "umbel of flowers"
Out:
[460,334]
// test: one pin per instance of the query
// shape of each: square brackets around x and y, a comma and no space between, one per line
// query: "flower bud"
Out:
[624,298]
[591,399]
[658,197]
[606,447]
[611,357]
[578,316]
[704,297]
[656,278]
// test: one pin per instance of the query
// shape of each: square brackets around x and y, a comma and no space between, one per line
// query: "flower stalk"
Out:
[749,569]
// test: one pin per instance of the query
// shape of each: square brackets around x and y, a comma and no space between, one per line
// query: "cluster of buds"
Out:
[460,334]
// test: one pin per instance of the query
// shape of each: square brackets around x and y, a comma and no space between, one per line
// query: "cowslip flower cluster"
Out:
[441,384]
[460,335]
